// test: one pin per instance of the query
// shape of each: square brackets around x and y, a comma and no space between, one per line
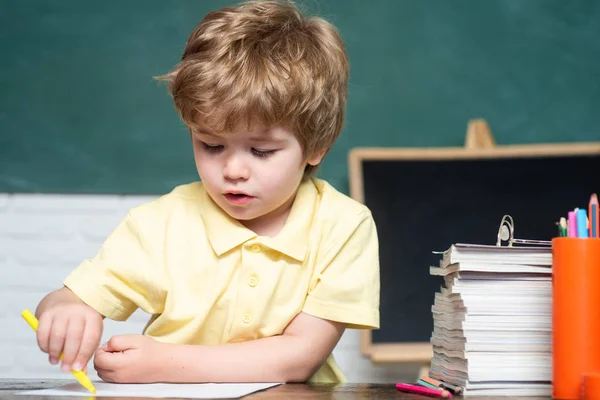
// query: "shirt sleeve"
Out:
[119,279]
[346,288]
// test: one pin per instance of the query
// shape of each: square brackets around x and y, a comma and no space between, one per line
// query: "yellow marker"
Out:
[80,375]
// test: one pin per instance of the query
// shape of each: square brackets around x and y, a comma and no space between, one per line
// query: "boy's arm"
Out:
[293,356]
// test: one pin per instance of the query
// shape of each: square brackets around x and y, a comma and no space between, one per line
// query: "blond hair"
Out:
[263,63]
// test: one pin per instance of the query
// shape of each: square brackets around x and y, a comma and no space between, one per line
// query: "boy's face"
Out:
[252,175]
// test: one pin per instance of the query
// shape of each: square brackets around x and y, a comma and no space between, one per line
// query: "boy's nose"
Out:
[235,168]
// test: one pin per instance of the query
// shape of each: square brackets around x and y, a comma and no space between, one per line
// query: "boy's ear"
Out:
[317,157]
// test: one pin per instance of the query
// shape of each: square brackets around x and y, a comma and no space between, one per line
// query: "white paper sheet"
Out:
[157,390]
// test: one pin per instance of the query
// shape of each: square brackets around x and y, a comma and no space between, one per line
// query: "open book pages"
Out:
[492,320]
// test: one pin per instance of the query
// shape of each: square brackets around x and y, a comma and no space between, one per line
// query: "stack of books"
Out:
[492,320]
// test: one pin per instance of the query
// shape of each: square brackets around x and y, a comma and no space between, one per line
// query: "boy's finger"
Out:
[89,343]
[43,332]
[73,340]
[56,341]
[121,343]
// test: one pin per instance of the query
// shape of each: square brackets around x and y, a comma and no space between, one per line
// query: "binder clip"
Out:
[506,233]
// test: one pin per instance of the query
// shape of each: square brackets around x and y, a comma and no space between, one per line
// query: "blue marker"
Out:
[582,230]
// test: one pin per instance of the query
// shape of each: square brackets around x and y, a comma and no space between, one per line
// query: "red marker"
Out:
[405,387]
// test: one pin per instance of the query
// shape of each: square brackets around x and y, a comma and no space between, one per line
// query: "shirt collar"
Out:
[225,233]
[293,239]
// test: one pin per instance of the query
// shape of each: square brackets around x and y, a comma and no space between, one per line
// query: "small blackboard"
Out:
[425,200]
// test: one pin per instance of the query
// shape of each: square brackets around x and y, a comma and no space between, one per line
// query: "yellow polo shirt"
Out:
[206,279]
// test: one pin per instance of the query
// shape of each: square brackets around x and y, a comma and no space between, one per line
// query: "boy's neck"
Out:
[272,223]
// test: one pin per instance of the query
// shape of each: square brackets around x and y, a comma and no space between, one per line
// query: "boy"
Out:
[253,273]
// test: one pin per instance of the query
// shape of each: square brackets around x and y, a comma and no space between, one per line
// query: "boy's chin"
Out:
[242,214]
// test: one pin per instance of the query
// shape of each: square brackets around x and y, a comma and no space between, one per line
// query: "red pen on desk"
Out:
[405,387]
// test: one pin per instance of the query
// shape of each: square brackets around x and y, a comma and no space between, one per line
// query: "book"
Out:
[527,255]
[492,320]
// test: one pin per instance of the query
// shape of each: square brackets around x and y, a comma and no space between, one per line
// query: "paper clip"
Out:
[506,233]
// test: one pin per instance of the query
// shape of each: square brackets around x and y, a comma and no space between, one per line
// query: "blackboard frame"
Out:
[421,352]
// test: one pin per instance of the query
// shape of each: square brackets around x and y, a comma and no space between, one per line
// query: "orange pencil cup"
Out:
[575,314]
[591,387]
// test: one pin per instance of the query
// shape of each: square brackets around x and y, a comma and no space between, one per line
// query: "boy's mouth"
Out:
[238,198]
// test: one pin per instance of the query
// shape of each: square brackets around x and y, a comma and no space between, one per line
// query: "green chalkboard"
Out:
[80,111]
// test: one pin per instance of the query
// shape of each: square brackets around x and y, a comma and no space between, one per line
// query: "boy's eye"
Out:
[262,153]
[212,148]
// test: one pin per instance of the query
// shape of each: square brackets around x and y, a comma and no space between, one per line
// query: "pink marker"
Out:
[572,225]
[405,387]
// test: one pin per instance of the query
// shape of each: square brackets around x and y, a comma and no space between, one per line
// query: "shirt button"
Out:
[247,318]
[255,248]
[253,281]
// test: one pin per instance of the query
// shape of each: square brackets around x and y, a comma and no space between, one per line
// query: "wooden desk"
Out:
[290,391]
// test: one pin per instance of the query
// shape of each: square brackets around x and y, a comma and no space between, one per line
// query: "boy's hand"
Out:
[73,329]
[130,359]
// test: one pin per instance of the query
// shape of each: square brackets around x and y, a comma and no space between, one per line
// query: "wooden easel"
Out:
[479,135]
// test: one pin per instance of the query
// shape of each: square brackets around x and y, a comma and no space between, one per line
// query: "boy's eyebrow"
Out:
[266,139]
[261,138]
[203,132]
